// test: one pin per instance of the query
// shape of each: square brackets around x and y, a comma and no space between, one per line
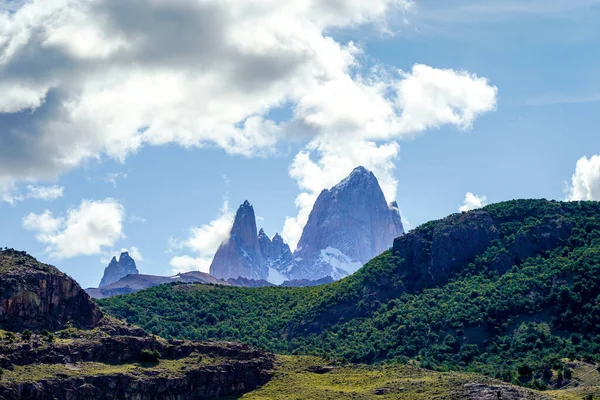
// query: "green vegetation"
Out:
[150,356]
[293,380]
[162,369]
[529,301]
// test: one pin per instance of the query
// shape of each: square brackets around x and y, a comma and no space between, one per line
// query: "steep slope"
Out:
[134,283]
[76,352]
[511,290]
[277,255]
[240,255]
[38,296]
[118,269]
[348,225]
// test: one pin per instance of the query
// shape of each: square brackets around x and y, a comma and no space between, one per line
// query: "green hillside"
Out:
[511,291]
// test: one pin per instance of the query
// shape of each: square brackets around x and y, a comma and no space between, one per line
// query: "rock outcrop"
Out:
[38,296]
[107,368]
[434,254]
[478,391]
[349,224]
[111,361]
[119,269]
[240,254]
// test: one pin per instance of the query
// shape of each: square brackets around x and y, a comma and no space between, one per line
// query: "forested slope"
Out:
[511,290]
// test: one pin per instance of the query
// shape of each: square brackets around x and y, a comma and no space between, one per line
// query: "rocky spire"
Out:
[348,225]
[240,255]
[119,269]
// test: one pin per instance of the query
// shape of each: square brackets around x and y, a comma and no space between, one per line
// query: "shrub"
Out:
[10,337]
[26,335]
[151,356]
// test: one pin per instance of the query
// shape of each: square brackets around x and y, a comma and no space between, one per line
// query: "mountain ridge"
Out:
[349,224]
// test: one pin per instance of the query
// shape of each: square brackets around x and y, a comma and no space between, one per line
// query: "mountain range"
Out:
[348,225]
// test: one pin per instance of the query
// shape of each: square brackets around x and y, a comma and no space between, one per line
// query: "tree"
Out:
[26,335]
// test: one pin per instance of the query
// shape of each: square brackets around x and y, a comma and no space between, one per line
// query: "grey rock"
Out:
[477,391]
[349,224]
[434,255]
[277,255]
[119,269]
[240,255]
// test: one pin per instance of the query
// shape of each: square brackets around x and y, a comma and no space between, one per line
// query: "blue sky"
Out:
[86,137]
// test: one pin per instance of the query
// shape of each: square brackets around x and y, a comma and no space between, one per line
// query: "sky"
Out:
[142,125]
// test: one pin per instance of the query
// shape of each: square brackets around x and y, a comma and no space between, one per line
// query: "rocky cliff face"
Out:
[434,254]
[119,269]
[348,225]
[111,361]
[277,255]
[38,296]
[240,255]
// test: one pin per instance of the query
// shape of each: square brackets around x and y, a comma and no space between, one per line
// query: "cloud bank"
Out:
[88,79]
[473,202]
[86,230]
[585,183]
[203,242]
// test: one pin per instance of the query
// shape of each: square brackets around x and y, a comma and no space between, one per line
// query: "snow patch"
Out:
[275,276]
[340,263]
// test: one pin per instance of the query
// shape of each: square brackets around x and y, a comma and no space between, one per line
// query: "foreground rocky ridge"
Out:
[77,352]
[114,367]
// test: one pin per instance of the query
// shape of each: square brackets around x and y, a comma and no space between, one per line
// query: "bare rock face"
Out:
[434,254]
[119,269]
[277,255]
[240,255]
[348,225]
[37,296]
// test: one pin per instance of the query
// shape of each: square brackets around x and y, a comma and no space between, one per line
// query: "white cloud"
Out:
[9,193]
[108,77]
[203,242]
[86,230]
[114,177]
[472,202]
[45,192]
[585,183]
[334,162]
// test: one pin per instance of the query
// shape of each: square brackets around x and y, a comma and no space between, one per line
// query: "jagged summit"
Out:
[348,225]
[119,269]
[240,254]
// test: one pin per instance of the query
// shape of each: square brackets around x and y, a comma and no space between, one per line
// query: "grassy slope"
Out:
[292,381]
[544,309]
